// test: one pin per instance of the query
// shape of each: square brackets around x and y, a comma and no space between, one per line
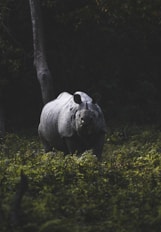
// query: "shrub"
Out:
[50,192]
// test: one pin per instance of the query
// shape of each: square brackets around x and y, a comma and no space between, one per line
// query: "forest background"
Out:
[108,48]
[103,47]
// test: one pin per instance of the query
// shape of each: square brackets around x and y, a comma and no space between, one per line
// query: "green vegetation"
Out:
[46,192]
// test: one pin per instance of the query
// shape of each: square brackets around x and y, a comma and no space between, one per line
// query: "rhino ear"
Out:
[96,98]
[77,98]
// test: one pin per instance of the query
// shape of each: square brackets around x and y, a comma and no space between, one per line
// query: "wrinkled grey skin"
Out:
[72,123]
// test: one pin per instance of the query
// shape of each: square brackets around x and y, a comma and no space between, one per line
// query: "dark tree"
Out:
[2,122]
[43,72]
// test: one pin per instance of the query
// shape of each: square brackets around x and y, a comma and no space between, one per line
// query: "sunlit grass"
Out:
[57,193]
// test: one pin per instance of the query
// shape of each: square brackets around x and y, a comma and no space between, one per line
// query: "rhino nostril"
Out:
[82,120]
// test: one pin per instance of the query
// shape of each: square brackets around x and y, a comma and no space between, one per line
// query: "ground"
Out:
[50,192]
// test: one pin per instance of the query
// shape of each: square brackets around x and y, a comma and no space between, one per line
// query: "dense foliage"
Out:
[50,192]
[100,46]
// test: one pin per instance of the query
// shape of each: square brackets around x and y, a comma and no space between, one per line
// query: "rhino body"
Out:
[72,123]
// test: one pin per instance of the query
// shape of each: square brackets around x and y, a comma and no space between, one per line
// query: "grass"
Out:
[50,192]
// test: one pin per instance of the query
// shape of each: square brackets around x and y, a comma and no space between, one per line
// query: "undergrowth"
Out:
[49,192]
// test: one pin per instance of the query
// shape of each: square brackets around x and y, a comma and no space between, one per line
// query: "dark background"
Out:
[104,47]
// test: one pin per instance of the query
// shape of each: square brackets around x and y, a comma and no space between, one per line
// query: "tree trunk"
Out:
[2,123]
[43,72]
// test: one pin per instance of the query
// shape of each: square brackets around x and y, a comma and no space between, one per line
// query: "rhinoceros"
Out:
[72,123]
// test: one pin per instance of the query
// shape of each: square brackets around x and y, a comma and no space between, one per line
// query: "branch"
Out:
[21,189]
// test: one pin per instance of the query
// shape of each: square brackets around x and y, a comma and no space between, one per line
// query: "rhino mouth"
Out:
[85,123]
[85,129]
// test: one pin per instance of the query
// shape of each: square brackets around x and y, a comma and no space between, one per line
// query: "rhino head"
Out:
[86,116]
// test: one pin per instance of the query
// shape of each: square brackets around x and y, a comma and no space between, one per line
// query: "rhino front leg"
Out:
[70,146]
[98,147]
